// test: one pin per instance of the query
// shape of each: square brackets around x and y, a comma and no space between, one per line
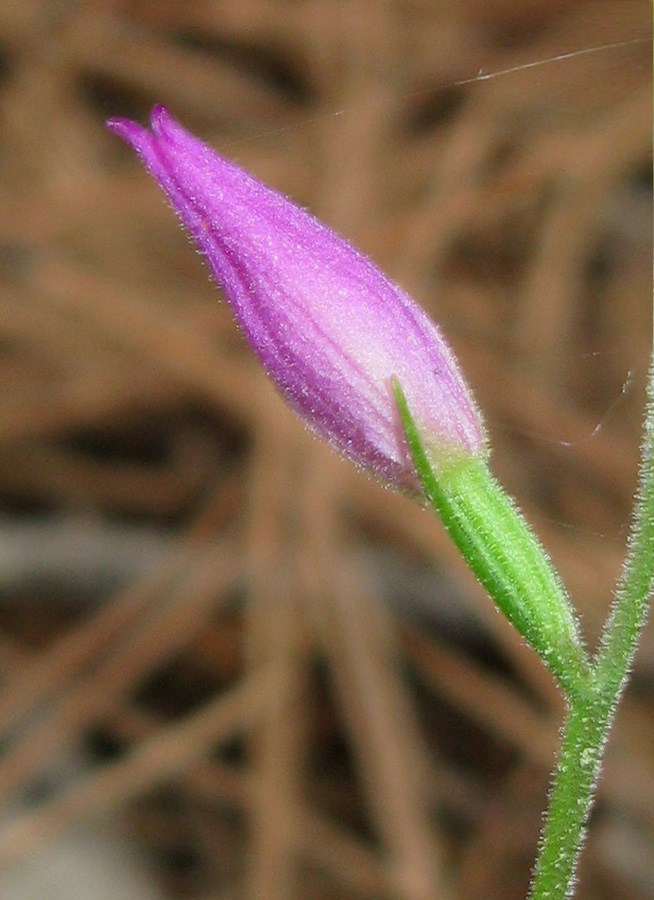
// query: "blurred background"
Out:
[231,665]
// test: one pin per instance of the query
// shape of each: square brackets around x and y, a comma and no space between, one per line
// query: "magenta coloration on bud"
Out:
[330,329]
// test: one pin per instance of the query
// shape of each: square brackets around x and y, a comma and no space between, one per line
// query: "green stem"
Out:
[629,612]
[590,718]
[508,560]
[571,798]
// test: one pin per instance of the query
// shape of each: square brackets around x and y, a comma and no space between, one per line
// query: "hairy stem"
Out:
[508,560]
[590,718]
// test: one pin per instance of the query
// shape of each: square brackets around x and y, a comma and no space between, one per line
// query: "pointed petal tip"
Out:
[138,137]
[131,131]
[118,124]
[159,118]
[128,130]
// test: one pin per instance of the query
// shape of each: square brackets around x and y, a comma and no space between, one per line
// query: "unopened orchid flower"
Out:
[356,357]
[329,327]
[368,371]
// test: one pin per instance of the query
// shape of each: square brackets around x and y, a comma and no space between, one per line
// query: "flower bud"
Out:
[329,327]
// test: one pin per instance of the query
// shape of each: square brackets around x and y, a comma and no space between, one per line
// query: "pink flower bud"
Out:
[329,327]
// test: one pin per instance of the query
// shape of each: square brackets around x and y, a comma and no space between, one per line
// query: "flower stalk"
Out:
[590,718]
[519,578]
